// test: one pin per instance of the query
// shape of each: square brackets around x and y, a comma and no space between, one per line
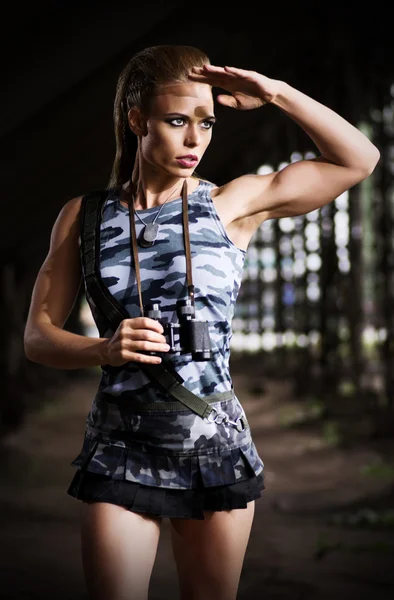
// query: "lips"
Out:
[188,161]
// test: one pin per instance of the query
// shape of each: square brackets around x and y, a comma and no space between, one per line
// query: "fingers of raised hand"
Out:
[212,74]
[238,72]
[209,69]
[227,100]
[224,71]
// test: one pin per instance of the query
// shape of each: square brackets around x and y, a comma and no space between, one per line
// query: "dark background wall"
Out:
[59,63]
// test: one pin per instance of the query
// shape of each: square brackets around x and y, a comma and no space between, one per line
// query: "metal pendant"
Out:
[148,235]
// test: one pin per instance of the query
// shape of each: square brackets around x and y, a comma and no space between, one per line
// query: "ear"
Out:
[137,122]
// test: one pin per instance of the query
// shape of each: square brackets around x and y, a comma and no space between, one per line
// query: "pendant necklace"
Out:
[150,232]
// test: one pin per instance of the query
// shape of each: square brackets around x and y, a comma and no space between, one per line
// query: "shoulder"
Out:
[245,185]
[66,225]
[72,208]
[201,184]
[234,197]
[69,216]
[69,212]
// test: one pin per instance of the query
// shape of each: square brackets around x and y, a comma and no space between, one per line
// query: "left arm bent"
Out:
[347,155]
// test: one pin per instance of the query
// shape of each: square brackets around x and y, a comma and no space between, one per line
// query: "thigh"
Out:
[118,551]
[209,554]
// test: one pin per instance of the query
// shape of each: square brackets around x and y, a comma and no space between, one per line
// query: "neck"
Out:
[144,197]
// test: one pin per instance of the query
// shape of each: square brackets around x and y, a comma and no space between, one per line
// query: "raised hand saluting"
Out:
[247,89]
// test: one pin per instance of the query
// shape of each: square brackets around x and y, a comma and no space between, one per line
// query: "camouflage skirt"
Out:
[167,463]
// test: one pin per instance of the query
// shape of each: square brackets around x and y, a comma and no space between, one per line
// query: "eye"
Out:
[180,121]
[177,122]
[208,124]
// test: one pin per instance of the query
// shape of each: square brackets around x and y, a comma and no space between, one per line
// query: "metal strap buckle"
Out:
[219,418]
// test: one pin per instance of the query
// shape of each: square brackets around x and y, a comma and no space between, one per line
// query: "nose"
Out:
[192,137]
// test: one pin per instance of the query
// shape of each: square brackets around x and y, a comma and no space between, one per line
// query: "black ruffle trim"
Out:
[165,502]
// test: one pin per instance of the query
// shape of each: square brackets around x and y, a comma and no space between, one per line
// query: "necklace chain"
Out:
[158,212]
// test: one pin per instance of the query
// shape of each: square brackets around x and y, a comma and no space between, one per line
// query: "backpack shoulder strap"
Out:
[90,218]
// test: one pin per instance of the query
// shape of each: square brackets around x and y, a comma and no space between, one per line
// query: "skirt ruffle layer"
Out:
[164,502]
[150,466]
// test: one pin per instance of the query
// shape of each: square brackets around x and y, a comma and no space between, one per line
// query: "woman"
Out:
[147,454]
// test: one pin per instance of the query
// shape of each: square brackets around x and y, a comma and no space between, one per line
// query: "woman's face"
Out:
[178,128]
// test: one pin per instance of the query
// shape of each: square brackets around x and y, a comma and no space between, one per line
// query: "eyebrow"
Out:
[208,117]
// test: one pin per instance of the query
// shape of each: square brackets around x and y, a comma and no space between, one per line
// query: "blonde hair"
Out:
[137,83]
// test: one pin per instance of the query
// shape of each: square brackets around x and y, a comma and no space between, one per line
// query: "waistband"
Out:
[175,405]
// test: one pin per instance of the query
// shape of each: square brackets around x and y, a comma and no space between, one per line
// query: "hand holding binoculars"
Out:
[186,336]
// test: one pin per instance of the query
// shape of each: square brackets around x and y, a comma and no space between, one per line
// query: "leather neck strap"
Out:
[186,239]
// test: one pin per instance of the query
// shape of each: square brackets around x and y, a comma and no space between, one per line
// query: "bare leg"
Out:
[118,551]
[209,554]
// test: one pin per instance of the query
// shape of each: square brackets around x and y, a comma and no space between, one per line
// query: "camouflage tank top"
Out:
[175,449]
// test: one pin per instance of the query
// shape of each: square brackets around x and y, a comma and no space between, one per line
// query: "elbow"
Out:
[30,348]
[372,162]
[365,165]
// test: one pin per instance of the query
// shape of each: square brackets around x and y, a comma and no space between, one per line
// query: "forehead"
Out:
[183,97]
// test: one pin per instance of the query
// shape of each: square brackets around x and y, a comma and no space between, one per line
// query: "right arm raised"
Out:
[54,294]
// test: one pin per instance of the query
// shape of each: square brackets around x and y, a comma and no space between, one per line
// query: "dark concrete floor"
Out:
[306,479]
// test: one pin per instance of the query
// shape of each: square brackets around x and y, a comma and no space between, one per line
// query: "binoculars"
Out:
[187,336]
